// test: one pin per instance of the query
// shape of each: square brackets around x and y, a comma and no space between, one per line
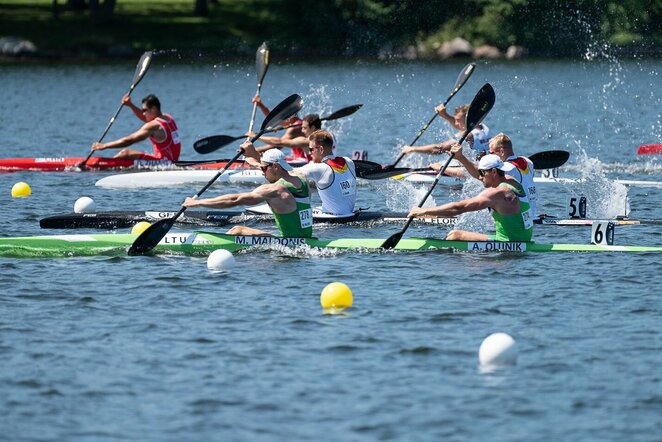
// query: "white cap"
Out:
[490,161]
[275,156]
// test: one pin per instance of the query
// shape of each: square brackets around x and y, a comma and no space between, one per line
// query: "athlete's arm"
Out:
[141,134]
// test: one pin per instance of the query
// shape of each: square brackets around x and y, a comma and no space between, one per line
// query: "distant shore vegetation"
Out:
[384,29]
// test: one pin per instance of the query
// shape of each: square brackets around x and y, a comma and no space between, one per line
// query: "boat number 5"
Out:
[602,232]
[361,155]
[576,207]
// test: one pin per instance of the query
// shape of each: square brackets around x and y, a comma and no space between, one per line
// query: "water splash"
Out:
[606,199]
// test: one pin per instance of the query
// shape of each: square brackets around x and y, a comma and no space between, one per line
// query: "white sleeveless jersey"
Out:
[335,179]
[481,136]
[521,168]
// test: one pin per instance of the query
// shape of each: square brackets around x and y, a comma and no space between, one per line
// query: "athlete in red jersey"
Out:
[160,128]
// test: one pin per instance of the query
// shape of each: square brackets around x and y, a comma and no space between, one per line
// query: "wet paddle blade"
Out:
[461,79]
[262,61]
[213,143]
[392,240]
[285,109]
[479,108]
[141,69]
[344,112]
[549,159]
[147,240]
[383,173]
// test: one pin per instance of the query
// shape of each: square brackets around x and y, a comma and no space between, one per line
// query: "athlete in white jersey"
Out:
[520,168]
[478,138]
[334,177]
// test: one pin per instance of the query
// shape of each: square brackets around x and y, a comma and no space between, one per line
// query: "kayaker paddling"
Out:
[160,128]
[287,195]
[506,200]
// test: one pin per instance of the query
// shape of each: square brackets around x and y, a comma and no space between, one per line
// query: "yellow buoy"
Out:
[140,227]
[20,190]
[336,295]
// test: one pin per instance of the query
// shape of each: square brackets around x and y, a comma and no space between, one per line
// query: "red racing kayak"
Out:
[100,163]
[650,149]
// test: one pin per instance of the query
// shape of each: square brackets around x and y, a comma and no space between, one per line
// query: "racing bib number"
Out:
[175,136]
[528,221]
[346,188]
[306,218]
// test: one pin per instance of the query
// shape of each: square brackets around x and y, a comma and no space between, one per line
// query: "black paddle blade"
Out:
[285,109]
[382,174]
[213,143]
[479,108]
[364,166]
[344,112]
[549,159]
[141,68]
[461,79]
[262,61]
[147,240]
[392,240]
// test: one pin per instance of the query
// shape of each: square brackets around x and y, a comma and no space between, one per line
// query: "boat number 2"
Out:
[576,207]
[361,155]
[602,232]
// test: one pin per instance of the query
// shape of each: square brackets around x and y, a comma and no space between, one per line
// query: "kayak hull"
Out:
[126,219]
[202,243]
[650,149]
[101,163]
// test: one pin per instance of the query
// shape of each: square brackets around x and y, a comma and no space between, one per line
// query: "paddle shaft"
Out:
[141,69]
[464,76]
[214,142]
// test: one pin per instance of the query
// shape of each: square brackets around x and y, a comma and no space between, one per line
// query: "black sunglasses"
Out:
[482,172]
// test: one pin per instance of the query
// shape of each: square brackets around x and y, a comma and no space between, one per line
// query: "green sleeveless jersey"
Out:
[516,227]
[299,223]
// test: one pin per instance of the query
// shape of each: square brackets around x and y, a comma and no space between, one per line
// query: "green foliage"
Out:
[341,27]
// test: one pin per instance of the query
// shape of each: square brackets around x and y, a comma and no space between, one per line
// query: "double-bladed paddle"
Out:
[141,69]
[549,159]
[479,108]
[461,79]
[210,144]
[155,233]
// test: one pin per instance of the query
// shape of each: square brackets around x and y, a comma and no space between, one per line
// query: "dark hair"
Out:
[152,101]
[323,138]
[313,120]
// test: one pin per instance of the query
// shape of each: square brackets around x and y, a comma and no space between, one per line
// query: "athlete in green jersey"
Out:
[287,195]
[509,205]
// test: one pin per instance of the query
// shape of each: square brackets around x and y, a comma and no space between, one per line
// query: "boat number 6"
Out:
[602,232]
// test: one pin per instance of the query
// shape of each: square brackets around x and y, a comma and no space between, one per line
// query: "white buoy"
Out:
[84,204]
[498,349]
[220,260]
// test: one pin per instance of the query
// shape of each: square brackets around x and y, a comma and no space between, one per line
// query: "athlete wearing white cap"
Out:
[287,195]
[504,197]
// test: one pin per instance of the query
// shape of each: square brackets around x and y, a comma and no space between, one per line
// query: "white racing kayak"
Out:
[424,178]
[170,178]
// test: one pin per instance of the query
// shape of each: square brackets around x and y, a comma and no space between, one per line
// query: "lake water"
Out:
[160,348]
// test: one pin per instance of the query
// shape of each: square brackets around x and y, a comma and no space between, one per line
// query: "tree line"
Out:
[362,27]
